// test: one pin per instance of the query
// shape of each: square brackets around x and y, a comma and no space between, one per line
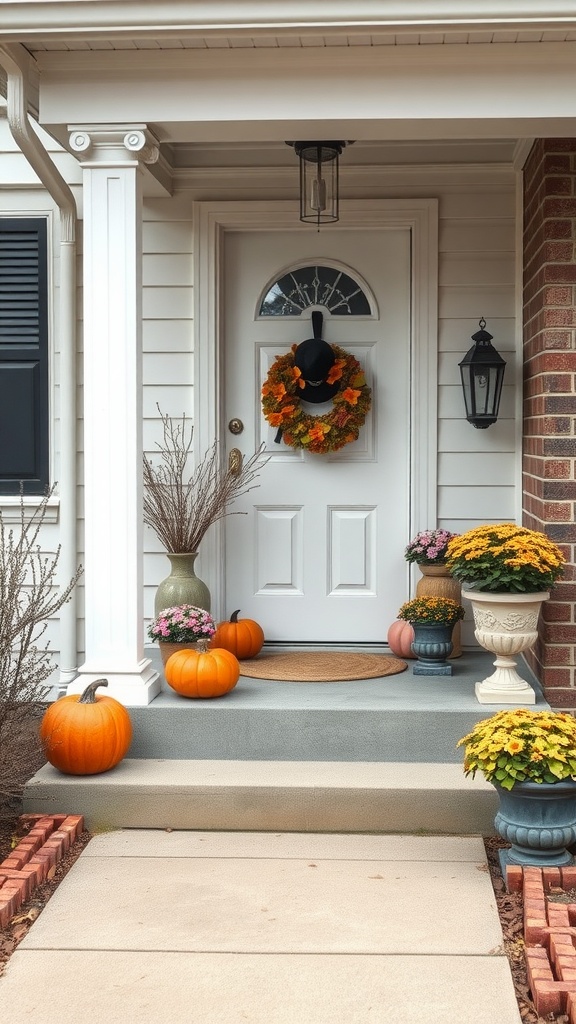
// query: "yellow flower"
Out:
[514,746]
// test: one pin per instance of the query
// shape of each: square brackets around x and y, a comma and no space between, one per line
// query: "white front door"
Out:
[319,555]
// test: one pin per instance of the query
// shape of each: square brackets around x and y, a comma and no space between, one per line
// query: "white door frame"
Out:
[211,221]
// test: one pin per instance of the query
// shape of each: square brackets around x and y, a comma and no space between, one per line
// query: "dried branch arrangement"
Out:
[181,507]
[29,597]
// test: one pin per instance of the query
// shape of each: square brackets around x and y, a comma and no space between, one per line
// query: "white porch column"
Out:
[111,159]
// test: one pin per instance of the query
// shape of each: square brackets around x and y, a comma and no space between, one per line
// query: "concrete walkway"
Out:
[153,927]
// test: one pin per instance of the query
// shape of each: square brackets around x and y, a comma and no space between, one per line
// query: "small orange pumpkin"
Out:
[400,636]
[88,734]
[243,637]
[202,673]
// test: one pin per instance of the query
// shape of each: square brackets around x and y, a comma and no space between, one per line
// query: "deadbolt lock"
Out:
[235,426]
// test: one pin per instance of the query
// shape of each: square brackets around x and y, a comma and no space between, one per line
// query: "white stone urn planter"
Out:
[506,625]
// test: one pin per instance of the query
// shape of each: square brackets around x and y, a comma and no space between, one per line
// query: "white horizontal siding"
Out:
[476,301]
[466,469]
[459,269]
[485,208]
[488,502]
[455,335]
[173,303]
[167,335]
[477,265]
[168,342]
[174,400]
[459,436]
[476,235]
[451,406]
[170,270]
[167,368]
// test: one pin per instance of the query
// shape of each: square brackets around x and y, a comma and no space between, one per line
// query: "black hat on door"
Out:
[315,358]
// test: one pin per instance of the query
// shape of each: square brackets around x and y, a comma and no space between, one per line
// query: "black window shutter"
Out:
[24,430]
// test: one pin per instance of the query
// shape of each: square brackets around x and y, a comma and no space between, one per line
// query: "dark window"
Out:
[23,356]
[315,285]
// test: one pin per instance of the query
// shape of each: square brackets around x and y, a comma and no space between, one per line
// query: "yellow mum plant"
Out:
[439,611]
[522,746]
[505,558]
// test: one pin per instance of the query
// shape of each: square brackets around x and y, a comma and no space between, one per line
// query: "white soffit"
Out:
[291,41]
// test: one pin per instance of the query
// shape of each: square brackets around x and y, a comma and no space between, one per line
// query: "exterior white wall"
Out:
[167,339]
[476,468]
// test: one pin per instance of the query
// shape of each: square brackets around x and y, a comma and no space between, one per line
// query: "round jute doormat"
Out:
[320,667]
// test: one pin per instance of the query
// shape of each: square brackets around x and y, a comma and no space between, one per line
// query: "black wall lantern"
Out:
[482,371]
[318,181]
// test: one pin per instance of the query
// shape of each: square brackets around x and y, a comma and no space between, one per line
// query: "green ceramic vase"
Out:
[182,585]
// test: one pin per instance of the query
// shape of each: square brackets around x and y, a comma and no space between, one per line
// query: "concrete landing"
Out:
[227,928]
[394,718]
[307,796]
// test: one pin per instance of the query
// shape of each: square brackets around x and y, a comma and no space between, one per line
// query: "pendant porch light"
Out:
[482,372]
[319,197]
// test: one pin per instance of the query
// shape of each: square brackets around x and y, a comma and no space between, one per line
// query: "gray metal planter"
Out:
[539,820]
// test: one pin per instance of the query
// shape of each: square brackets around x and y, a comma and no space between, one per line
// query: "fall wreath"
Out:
[324,433]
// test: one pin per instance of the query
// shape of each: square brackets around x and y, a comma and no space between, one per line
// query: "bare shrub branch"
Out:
[29,597]
[181,507]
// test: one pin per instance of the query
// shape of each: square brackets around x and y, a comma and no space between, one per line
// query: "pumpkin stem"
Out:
[89,695]
[234,616]
[203,645]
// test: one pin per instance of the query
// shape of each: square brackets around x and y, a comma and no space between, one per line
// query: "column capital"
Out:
[114,144]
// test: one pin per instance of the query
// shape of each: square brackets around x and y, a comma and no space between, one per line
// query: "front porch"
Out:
[376,755]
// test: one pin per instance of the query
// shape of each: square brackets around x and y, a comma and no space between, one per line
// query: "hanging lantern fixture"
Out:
[482,372]
[319,197]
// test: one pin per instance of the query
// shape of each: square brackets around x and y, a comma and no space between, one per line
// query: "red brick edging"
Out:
[32,860]
[549,937]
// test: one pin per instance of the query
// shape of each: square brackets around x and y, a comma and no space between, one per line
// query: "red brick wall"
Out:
[549,455]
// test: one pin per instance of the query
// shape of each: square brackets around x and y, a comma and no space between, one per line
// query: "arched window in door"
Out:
[325,284]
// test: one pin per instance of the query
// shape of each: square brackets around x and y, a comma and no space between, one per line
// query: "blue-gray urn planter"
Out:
[539,820]
[432,644]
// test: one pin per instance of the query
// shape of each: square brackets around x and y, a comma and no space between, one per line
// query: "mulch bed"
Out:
[509,906]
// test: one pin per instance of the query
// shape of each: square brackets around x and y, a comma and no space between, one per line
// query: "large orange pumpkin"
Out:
[87,734]
[202,673]
[400,636]
[243,637]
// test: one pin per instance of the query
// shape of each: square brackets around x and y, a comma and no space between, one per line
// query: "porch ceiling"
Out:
[460,82]
[263,95]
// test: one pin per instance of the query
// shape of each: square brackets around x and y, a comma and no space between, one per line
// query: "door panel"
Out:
[318,556]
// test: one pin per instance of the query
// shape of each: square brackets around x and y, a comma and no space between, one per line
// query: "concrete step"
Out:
[395,718]
[272,796]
